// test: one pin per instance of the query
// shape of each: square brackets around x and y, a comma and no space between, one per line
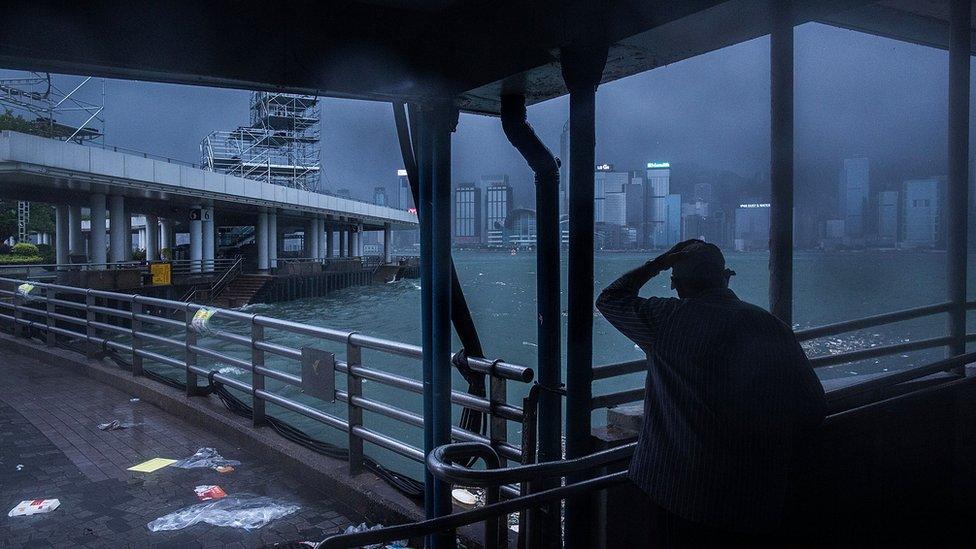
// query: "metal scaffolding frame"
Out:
[281,146]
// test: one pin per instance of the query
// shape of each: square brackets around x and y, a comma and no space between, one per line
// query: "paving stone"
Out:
[48,423]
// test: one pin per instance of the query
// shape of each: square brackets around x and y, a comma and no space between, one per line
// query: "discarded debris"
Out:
[464,497]
[20,466]
[245,511]
[205,457]
[116,424]
[207,492]
[201,320]
[224,469]
[363,528]
[34,507]
[24,290]
[134,399]
[152,465]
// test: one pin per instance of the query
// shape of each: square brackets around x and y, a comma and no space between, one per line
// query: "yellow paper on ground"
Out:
[153,464]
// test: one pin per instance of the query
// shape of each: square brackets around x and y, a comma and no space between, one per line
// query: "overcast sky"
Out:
[855,95]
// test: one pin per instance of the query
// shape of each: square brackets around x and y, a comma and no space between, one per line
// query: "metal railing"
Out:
[636,394]
[141,329]
[218,285]
[180,267]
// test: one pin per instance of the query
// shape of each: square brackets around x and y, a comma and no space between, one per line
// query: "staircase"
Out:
[241,291]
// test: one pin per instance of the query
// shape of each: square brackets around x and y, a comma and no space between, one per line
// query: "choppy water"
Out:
[500,289]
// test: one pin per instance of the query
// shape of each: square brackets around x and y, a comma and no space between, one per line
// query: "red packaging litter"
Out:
[208,492]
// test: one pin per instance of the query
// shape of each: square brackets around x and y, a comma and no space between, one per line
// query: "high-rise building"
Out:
[672,225]
[605,180]
[887,218]
[635,204]
[703,193]
[379,196]
[498,204]
[404,196]
[751,226]
[658,187]
[615,208]
[467,214]
[853,195]
[921,213]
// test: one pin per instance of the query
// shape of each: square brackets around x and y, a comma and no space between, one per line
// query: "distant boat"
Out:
[514,251]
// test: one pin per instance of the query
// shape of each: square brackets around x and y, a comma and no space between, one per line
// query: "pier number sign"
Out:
[201,214]
[162,274]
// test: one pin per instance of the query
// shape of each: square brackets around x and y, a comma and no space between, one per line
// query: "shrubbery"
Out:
[25,249]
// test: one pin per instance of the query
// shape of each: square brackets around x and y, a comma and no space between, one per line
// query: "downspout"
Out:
[546,169]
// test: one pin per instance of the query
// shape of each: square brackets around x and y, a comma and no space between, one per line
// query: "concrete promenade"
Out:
[50,447]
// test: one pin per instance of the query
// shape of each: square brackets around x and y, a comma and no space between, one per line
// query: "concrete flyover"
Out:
[175,197]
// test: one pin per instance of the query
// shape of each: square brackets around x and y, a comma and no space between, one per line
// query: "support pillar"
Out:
[97,232]
[61,233]
[312,238]
[582,70]
[781,162]
[350,242]
[76,239]
[207,228]
[117,228]
[387,249]
[196,241]
[343,235]
[272,240]
[152,237]
[329,242]
[957,199]
[263,239]
[320,235]
[167,238]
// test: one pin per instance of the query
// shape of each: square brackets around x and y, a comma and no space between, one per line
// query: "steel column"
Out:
[582,70]
[312,238]
[329,242]
[97,232]
[152,237]
[196,242]
[207,231]
[958,192]
[781,161]
[273,239]
[76,240]
[343,237]
[116,228]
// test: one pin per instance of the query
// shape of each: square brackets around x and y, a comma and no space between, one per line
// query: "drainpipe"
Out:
[546,169]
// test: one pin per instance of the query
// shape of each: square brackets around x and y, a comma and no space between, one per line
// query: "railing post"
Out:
[89,329]
[257,378]
[135,326]
[50,294]
[190,357]
[498,426]
[354,389]
[17,300]
[957,225]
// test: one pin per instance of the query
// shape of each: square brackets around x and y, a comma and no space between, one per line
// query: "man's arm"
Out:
[634,316]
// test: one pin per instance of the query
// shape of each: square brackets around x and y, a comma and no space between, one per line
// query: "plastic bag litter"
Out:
[245,511]
[363,528]
[201,320]
[205,457]
[25,289]
[115,424]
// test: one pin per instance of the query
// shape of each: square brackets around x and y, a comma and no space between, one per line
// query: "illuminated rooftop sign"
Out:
[401,173]
[754,205]
[604,168]
[652,165]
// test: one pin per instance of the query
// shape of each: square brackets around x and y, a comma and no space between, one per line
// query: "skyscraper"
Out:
[615,208]
[853,195]
[672,225]
[379,196]
[887,218]
[467,214]
[655,207]
[404,196]
[921,213]
[752,226]
[605,180]
[498,204]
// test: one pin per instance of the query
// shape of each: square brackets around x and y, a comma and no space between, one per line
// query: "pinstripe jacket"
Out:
[729,391]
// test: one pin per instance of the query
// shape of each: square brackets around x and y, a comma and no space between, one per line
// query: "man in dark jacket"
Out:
[729,393]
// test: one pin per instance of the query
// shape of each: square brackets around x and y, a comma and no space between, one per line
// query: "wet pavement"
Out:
[51,447]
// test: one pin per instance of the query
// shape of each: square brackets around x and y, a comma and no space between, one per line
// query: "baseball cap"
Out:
[699,260]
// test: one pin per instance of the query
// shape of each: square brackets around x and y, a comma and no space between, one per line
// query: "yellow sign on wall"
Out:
[162,274]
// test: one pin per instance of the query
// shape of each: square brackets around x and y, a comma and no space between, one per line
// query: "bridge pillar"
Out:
[387,249]
[76,239]
[116,228]
[196,242]
[61,233]
[166,237]
[351,242]
[329,242]
[343,234]
[320,235]
[207,228]
[359,241]
[97,233]
[312,238]
[262,241]
[273,240]
[152,237]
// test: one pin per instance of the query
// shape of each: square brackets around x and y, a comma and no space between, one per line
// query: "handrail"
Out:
[218,285]
[871,321]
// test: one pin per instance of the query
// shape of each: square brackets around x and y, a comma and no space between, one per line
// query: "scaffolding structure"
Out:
[281,146]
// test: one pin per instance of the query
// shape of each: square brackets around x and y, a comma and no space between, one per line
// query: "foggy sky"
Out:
[855,95]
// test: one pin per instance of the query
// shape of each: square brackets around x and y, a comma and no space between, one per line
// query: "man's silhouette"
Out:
[729,391]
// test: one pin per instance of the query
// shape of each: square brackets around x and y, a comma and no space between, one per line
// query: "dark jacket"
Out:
[729,391]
